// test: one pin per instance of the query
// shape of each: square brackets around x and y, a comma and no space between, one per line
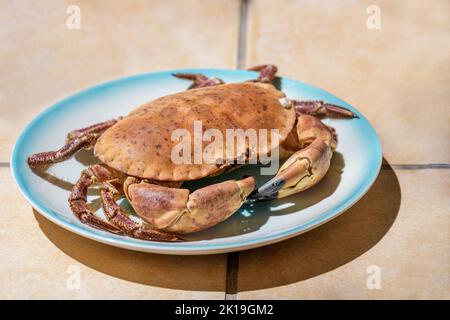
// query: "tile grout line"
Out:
[415,166]
[242,35]
[231,277]
[4,164]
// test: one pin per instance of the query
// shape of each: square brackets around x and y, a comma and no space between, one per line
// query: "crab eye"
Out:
[285,102]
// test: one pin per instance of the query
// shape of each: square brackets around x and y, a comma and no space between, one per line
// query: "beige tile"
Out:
[398,76]
[42,61]
[39,258]
[401,225]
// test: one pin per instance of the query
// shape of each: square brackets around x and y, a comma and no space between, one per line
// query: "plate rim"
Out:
[172,248]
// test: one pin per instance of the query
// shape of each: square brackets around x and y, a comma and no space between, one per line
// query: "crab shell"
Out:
[140,145]
[138,153]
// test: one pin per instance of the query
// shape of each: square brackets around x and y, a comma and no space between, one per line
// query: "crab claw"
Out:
[301,171]
[322,108]
[305,167]
[179,211]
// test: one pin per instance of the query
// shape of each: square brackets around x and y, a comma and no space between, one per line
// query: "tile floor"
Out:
[398,75]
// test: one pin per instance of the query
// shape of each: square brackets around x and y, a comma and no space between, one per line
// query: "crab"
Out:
[134,153]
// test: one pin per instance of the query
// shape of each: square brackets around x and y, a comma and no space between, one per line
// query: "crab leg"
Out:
[266,72]
[77,140]
[199,80]
[322,108]
[119,218]
[70,148]
[305,167]
[179,211]
[95,128]
[119,222]
[78,198]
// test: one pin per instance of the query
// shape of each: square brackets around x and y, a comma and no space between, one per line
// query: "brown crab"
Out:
[135,152]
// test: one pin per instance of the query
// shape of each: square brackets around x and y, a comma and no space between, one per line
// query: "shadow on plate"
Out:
[308,255]
[252,216]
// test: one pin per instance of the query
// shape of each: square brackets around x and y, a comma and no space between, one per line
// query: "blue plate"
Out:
[355,166]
